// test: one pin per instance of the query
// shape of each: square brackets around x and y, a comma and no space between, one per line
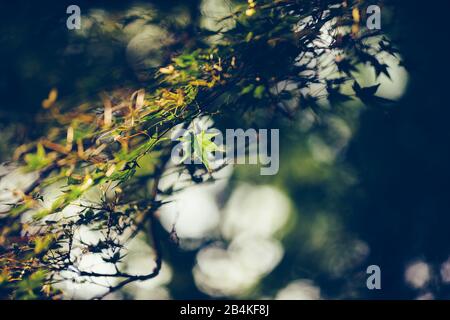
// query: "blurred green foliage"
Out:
[366,175]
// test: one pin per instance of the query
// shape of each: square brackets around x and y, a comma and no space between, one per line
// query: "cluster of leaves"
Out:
[276,52]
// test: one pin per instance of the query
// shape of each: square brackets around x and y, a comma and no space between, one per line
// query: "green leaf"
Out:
[259,92]
[37,160]
[200,147]
[247,89]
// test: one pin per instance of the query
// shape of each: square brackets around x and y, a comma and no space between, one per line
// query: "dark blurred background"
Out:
[378,195]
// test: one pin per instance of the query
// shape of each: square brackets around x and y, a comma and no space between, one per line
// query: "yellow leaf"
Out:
[249,12]
[110,171]
[107,120]
[140,99]
[52,96]
[42,243]
[356,15]
[168,70]
[69,138]
[355,29]
[200,83]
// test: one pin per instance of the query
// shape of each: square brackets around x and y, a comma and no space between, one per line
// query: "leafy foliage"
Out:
[276,52]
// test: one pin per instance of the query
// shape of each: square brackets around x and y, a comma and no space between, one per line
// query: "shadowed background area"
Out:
[361,186]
